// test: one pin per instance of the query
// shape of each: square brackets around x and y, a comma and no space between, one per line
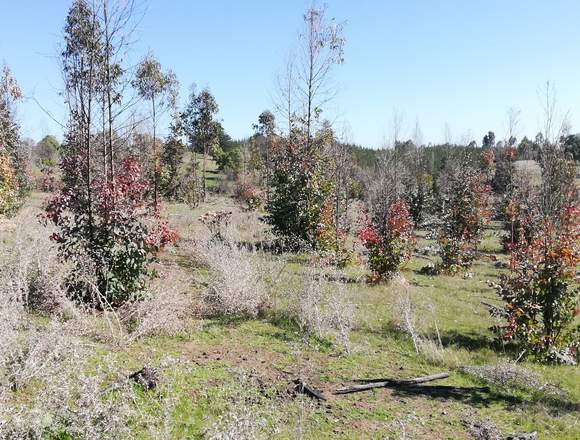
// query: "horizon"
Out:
[419,61]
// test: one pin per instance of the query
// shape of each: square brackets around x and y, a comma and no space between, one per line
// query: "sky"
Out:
[455,63]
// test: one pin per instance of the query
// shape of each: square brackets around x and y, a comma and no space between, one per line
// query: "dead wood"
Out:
[388,382]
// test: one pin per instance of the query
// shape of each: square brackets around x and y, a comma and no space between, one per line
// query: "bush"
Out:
[464,213]
[249,195]
[236,281]
[331,238]
[115,237]
[389,242]
[541,302]
[322,309]
[298,191]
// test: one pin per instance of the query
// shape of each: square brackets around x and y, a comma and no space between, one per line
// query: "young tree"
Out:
[47,150]
[322,47]
[160,89]
[201,127]
[265,131]
[298,186]
[464,213]
[103,228]
[13,178]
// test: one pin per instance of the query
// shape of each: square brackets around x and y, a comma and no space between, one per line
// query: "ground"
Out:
[269,353]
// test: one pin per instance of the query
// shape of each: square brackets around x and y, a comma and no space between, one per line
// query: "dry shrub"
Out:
[250,415]
[323,309]
[236,280]
[31,270]
[404,317]
[166,310]
[70,405]
[508,374]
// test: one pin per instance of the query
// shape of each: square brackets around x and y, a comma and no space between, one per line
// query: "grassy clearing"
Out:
[202,385]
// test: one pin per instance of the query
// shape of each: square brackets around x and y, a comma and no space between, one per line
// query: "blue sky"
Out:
[456,62]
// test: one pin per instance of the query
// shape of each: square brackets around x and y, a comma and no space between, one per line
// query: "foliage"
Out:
[13,178]
[464,213]
[389,241]
[504,170]
[298,191]
[201,127]
[171,159]
[115,241]
[8,184]
[47,151]
[541,300]
[249,194]
[331,237]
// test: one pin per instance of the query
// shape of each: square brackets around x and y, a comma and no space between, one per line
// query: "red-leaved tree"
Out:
[389,241]
[541,300]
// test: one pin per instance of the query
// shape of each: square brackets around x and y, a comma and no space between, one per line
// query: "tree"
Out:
[201,127]
[488,140]
[539,292]
[298,184]
[571,145]
[389,241]
[464,213]
[103,229]
[13,178]
[322,47]
[47,150]
[160,89]
[265,130]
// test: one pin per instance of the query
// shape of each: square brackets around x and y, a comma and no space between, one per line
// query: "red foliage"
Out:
[389,241]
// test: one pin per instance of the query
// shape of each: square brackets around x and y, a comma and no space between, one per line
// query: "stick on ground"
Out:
[383,383]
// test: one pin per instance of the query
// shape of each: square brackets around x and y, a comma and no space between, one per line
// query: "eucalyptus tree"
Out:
[201,126]
[160,89]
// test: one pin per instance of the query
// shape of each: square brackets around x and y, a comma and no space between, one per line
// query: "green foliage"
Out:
[171,161]
[47,151]
[464,213]
[13,179]
[298,191]
[229,161]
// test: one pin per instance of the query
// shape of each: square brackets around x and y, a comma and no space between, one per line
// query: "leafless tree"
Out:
[321,48]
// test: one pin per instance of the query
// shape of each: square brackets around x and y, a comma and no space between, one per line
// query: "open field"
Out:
[213,369]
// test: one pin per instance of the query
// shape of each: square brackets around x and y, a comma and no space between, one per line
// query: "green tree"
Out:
[201,127]
[160,89]
[13,178]
[47,150]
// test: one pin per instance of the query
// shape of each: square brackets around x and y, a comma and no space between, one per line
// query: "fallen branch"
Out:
[303,388]
[383,383]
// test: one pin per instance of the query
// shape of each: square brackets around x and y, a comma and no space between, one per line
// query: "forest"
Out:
[291,284]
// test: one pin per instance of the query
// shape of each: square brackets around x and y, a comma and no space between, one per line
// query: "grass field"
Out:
[228,368]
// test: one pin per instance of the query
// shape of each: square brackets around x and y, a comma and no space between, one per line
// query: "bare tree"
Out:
[417,133]
[285,90]
[513,121]
[322,46]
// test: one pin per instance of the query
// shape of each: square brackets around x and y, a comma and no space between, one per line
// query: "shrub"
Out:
[8,184]
[322,309]
[464,213]
[249,195]
[389,241]
[298,191]
[111,232]
[236,281]
[331,238]
[541,301]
